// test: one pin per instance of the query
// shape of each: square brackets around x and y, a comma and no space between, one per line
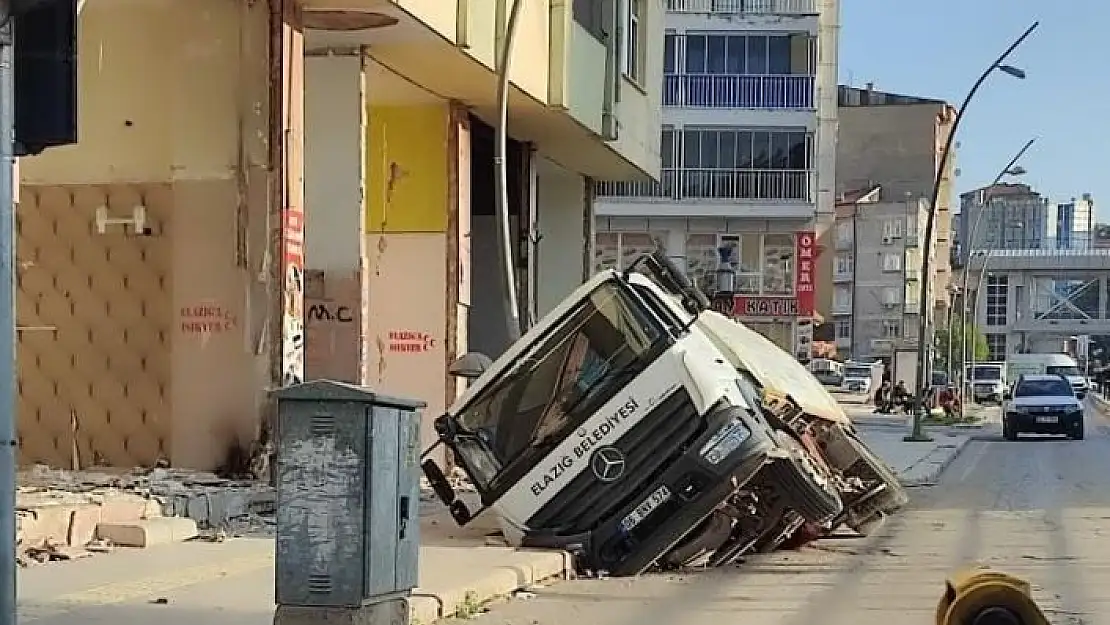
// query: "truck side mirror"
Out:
[470,366]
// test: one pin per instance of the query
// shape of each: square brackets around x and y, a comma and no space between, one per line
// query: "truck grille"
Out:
[649,449]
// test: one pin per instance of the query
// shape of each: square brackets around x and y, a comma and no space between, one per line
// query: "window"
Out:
[670,52]
[844,329]
[892,262]
[555,386]
[702,260]
[892,328]
[617,250]
[890,296]
[842,299]
[844,234]
[892,228]
[634,40]
[742,55]
[736,148]
[778,264]
[997,296]
[996,345]
[844,264]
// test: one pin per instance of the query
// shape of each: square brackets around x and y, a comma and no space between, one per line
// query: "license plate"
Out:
[656,499]
[1047,419]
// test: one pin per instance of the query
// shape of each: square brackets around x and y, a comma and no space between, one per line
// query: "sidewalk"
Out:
[232,582]
[917,464]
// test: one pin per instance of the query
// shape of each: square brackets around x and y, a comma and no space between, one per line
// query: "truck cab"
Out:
[614,429]
[988,381]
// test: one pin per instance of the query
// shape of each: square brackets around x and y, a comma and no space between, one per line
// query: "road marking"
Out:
[971,466]
[150,588]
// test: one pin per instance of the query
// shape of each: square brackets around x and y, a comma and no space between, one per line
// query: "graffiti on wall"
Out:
[410,341]
[292,326]
[330,312]
[205,318]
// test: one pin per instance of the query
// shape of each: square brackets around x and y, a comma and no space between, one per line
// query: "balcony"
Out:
[718,184]
[842,275]
[738,91]
[842,308]
[744,7]
[844,243]
[911,308]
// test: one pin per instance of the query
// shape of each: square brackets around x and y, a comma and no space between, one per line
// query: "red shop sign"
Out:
[748,306]
[806,251]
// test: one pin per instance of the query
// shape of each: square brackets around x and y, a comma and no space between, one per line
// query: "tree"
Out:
[976,345]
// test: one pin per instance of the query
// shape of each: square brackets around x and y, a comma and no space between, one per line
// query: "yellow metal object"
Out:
[982,596]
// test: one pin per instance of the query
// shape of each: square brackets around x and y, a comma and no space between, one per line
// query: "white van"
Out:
[1058,364]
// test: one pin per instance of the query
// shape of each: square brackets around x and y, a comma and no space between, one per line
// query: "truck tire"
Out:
[803,486]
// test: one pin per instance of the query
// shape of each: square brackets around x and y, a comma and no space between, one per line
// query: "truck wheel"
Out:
[1008,431]
[805,488]
[1077,433]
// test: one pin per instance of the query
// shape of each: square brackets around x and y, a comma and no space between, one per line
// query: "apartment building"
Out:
[876,273]
[1007,216]
[896,141]
[748,155]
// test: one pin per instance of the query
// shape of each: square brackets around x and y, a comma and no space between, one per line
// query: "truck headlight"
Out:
[727,440]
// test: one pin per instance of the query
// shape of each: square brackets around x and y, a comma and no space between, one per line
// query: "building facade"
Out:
[748,156]
[1071,224]
[256,184]
[877,256]
[896,141]
[1004,217]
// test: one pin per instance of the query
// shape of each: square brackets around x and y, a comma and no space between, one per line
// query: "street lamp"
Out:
[918,434]
[1011,169]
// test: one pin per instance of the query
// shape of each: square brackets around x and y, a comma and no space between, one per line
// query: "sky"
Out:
[938,48]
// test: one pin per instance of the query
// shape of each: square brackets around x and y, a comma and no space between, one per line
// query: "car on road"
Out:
[1042,403]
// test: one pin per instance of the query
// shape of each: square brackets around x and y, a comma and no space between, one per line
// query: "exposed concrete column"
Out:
[418,215]
[335,175]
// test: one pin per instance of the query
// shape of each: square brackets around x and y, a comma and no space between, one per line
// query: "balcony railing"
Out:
[738,91]
[842,276]
[844,243]
[842,308]
[749,7]
[724,184]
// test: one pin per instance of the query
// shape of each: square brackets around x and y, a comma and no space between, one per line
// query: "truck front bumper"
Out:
[694,486]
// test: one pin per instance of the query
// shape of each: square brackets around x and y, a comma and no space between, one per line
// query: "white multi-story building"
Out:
[748,150]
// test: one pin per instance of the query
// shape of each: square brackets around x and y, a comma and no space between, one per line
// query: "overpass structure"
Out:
[1034,300]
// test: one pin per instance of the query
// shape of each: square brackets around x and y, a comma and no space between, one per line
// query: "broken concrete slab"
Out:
[148,532]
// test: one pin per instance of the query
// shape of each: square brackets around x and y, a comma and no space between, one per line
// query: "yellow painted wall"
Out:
[407,168]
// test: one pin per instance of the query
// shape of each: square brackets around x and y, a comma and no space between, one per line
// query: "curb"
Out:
[525,569]
[932,476]
[1101,403]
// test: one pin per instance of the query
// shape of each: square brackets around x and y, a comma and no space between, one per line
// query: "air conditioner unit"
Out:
[888,240]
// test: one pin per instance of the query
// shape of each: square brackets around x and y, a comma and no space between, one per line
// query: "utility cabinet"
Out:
[348,495]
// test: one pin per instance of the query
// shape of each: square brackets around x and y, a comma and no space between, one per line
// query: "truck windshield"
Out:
[557,384]
[1068,370]
[987,373]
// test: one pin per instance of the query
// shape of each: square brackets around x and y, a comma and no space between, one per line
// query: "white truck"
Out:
[988,381]
[1058,364]
[617,430]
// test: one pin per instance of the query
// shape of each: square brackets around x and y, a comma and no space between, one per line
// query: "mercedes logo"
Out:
[607,464]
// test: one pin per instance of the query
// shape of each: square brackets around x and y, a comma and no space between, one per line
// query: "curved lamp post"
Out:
[501,176]
[1011,169]
[918,434]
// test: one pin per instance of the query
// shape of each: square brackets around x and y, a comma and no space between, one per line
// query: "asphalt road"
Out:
[1039,507]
